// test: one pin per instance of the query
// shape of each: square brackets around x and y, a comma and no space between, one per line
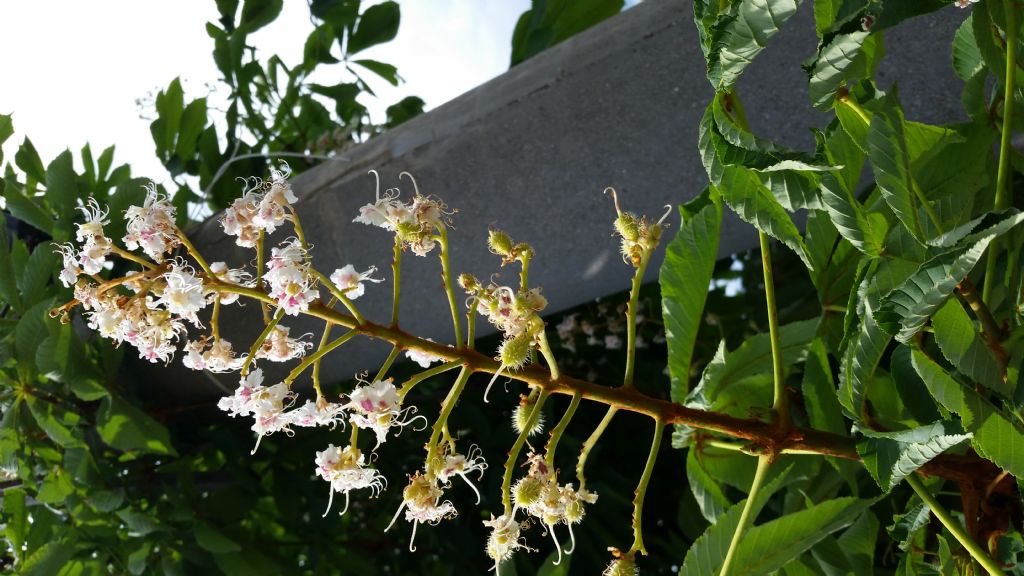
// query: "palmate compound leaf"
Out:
[740,36]
[890,456]
[684,278]
[997,437]
[905,310]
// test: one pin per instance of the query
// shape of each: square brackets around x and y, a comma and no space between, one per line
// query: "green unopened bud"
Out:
[499,242]
[523,251]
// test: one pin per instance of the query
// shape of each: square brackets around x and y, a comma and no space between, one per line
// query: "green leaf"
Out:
[26,209]
[317,49]
[549,22]
[382,69]
[906,525]
[997,436]
[62,188]
[170,105]
[767,548]
[858,543]
[8,281]
[741,35]
[708,494]
[48,559]
[684,279]
[887,151]
[56,421]
[755,204]
[865,230]
[378,24]
[910,387]
[213,541]
[707,553]
[967,60]
[29,161]
[138,558]
[55,487]
[752,357]
[193,121]
[829,69]
[31,330]
[15,515]
[906,309]
[37,273]
[404,109]
[860,359]
[891,457]
[819,391]
[139,523]
[960,343]
[127,428]
[258,13]
[6,130]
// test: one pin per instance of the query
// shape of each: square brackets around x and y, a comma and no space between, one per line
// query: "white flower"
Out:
[377,406]
[421,500]
[456,464]
[69,273]
[280,347]
[289,279]
[424,359]
[241,402]
[183,295]
[318,413]
[238,220]
[350,282]
[415,224]
[270,212]
[345,470]
[612,342]
[504,539]
[236,276]
[220,357]
[151,226]
[268,411]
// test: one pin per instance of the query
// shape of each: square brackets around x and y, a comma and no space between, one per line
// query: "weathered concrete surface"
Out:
[531,151]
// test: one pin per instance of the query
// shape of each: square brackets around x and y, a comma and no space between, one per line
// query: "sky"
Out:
[74,71]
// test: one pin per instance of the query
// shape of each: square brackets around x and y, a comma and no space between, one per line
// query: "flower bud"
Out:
[499,242]
[469,283]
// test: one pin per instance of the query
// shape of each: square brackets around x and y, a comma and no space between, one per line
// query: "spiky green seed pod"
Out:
[499,242]
[514,352]
[622,565]
[527,491]
[521,416]
[628,226]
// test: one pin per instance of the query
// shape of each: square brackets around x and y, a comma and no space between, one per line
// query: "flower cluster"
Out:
[214,355]
[415,224]
[270,406]
[151,226]
[550,503]
[261,209]
[504,539]
[281,347]
[288,278]
[421,500]
[95,246]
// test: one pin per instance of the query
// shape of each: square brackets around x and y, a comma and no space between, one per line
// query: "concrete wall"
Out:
[531,151]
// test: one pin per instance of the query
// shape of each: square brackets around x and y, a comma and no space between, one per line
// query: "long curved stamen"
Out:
[493,379]
[330,500]
[345,509]
[393,520]
[412,539]
[668,210]
[257,447]
[551,528]
[572,540]
[414,185]
[377,176]
[615,198]
[475,491]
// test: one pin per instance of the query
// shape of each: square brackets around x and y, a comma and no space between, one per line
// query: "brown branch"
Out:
[760,433]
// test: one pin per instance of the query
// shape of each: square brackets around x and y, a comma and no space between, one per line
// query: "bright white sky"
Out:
[72,70]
